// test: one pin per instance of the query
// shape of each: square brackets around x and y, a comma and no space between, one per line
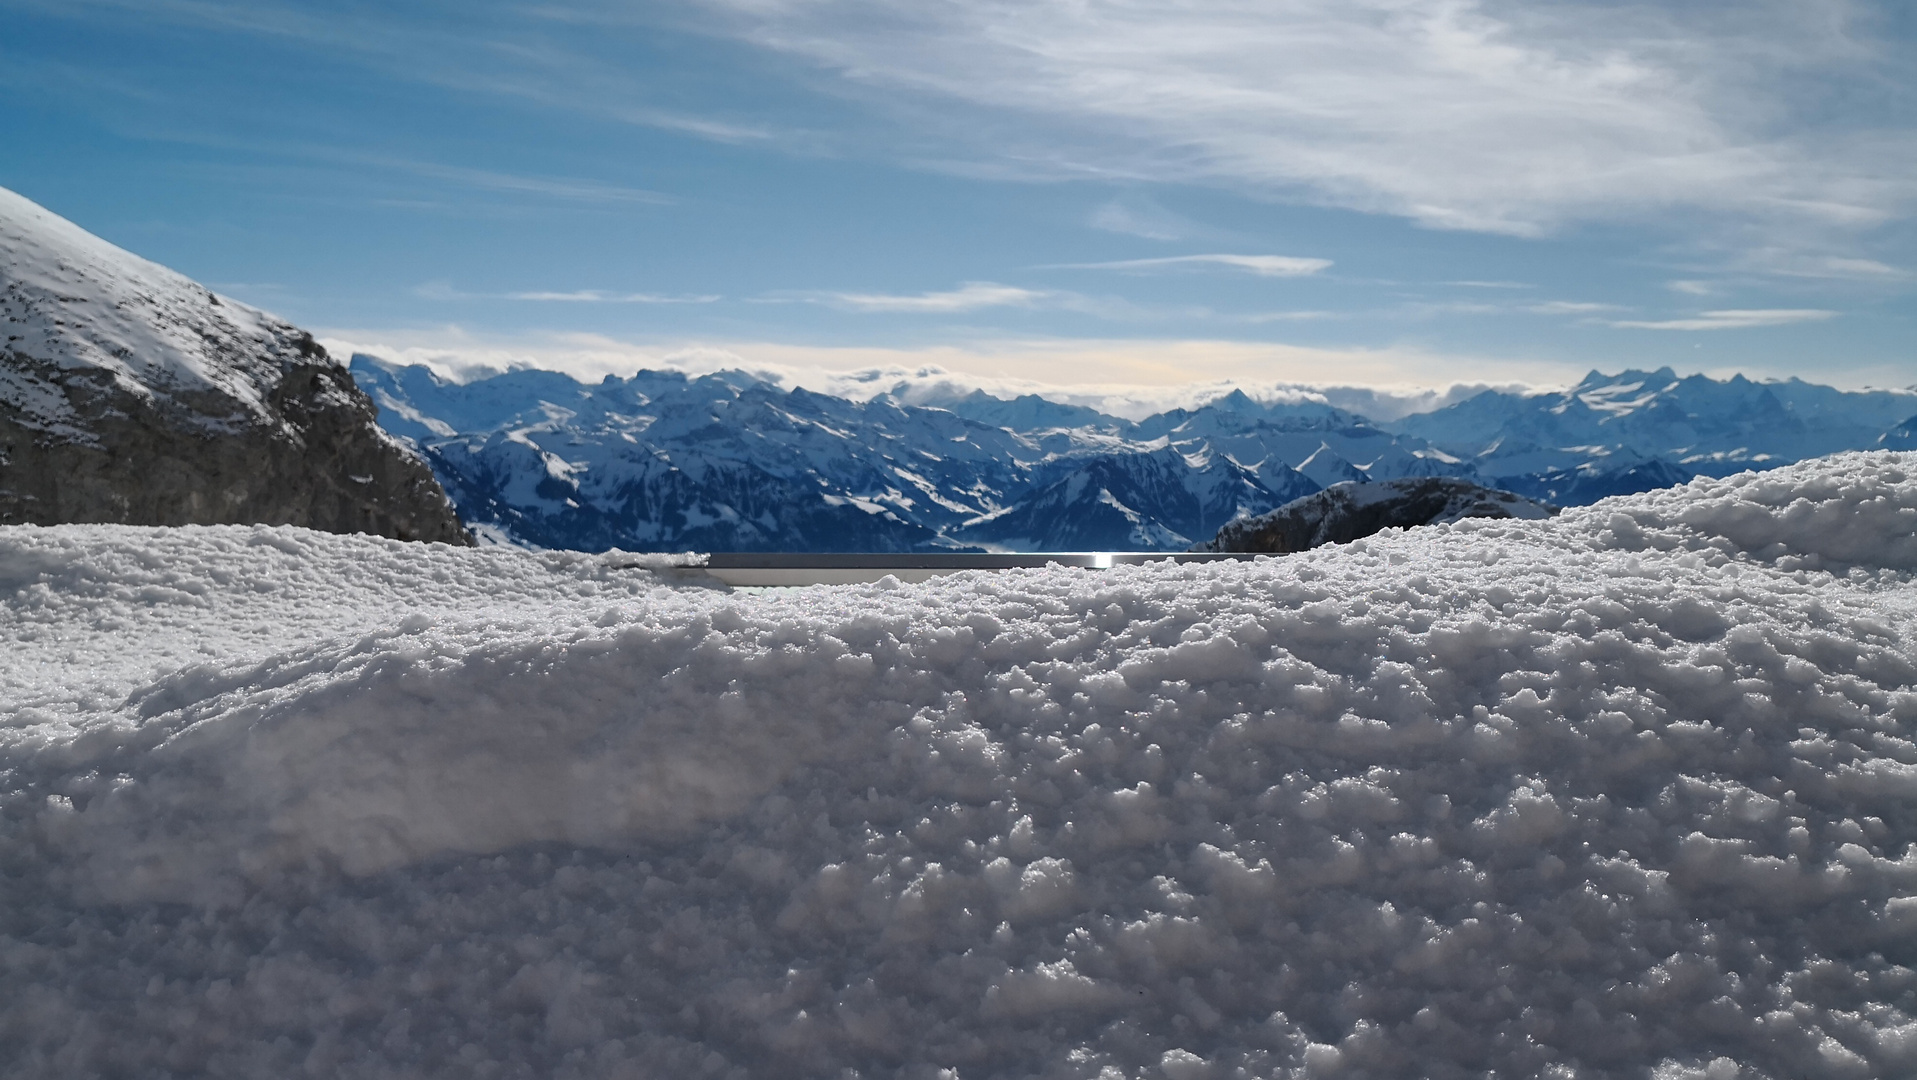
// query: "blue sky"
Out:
[1068,191]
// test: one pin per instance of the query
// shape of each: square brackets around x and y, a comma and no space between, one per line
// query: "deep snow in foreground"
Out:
[1626,793]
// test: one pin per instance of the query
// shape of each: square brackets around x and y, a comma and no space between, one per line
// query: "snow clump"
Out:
[1628,793]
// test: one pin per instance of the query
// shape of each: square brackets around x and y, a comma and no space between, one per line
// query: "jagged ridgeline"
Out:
[131,394]
[664,461]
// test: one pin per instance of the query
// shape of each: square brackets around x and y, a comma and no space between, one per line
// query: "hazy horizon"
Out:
[1378,401]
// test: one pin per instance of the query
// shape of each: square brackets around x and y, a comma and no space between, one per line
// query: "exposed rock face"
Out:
[130,394]
[1345,512]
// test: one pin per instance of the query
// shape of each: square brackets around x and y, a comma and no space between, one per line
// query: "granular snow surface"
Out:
[1628,793]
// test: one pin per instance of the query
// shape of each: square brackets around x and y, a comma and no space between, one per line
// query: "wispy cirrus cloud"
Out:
[981,295]
[562,188]
[1426,308]
[1732,319]
[1571,307]
[1261,265]
[1139,215]
[1489,115]
[972,296]
[1265,317]
[441,290]
[596,296]
[1841,269]
[1460,114]
[514,183]
[494,47]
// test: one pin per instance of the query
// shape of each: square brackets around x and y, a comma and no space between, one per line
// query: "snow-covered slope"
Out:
[75,303]
[1627,793]
[130,393]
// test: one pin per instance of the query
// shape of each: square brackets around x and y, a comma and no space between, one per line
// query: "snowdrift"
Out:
[1630,792]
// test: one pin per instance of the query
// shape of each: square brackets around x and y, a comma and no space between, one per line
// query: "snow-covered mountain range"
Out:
[666,461]
[1617,434]
[728,461]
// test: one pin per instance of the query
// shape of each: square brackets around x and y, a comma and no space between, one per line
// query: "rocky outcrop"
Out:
[130,394]
[1345,512]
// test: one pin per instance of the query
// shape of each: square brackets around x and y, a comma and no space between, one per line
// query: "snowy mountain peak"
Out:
[70,300]
[1237,401]
[1598,381]
[1027,412]
[130,393]
[1326,467]
[1239,412]
[1623,432]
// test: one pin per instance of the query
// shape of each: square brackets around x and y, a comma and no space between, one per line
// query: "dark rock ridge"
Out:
[1348,511]
[129,394]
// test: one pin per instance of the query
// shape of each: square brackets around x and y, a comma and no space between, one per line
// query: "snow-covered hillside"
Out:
[72,301]
[1627,793]
[130,393]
